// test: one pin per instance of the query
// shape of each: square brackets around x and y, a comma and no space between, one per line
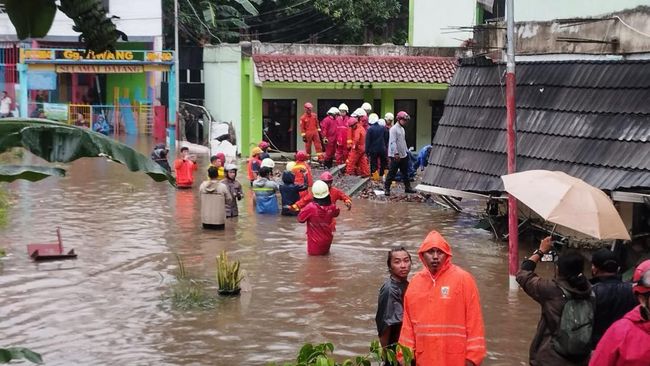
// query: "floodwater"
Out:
[105,308]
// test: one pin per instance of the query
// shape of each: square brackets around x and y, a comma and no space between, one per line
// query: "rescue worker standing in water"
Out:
[310,131]
[442,323]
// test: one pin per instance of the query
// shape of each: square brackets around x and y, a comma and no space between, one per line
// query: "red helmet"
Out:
[352,122]
[221,157]
[309,105]
[403,115]
[326,177]
[301,156]
[263,145]
[641,278]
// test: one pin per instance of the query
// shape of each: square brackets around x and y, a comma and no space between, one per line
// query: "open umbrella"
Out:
[564,200]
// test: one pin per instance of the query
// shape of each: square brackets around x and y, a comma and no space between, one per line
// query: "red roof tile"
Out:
[355,69]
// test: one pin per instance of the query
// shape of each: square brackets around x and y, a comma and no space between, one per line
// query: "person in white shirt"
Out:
[398,154]
[5,105]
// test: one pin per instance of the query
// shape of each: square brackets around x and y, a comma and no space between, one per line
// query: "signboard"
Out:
[41,80]
[121,56]
[99,69]
[55,111]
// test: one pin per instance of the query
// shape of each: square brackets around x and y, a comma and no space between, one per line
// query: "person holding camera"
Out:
[565,301]
[185,166]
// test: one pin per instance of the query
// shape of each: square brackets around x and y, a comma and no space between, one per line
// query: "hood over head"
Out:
[435,240]
[288,177]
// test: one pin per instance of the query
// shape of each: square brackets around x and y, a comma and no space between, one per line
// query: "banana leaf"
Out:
[32,173]
[58,142]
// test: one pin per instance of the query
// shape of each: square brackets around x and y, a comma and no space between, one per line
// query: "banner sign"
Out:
[56,111]
[99,69]
[120,56]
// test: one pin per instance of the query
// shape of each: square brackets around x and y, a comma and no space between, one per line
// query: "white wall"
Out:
[561,9]
[138,19]
[222,78]
[432,17]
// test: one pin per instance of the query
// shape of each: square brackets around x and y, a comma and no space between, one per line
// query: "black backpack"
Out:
[573,336]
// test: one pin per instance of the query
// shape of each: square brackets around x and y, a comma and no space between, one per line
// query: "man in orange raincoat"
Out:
[442,323]
[302,172]
[310,130]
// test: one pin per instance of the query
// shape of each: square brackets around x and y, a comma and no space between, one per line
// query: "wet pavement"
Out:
[105,308]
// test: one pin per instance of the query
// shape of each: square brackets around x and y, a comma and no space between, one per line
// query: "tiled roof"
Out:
[590,119]
[373,69]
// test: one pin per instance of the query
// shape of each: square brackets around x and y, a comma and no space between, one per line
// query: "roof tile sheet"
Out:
[590,119]
[306,68]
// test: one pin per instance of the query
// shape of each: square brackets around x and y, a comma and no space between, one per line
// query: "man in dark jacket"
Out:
[376,147]
[290,193]
[549,294]
[614,298]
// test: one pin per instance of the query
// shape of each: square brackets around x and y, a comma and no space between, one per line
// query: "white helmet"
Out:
[290,166]
[268,163]
[333,110]
[389,117]
[343,107]
[373,118]
[381,122]
[366,107]
[230,167]
[320,189]
[359,112]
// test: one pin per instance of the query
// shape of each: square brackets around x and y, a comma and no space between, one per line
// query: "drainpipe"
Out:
[511,119]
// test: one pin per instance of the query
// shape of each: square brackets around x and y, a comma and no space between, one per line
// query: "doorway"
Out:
[279,123]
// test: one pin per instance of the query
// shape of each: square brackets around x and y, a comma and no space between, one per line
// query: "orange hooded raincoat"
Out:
[443,323]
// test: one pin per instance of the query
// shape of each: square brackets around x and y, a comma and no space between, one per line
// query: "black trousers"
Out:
[403,166]
[383,161]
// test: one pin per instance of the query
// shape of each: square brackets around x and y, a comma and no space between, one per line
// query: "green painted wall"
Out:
[251,102]
[131,81]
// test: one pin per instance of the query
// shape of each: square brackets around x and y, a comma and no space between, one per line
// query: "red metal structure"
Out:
[50,251]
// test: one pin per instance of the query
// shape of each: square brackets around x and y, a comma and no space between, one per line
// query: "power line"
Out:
[279,10]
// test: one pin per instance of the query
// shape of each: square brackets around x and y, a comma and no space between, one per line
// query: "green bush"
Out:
[188,293]
[321,355]
[19,353]
[228,276]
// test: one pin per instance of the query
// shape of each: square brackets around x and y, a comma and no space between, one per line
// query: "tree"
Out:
[207,21]
[33,19]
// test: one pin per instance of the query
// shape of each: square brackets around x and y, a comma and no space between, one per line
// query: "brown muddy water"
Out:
[105,308]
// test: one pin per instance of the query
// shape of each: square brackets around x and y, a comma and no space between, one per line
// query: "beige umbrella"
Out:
[564,200]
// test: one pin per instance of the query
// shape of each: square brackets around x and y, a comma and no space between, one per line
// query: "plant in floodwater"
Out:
[228,275]
[188,293]
[321,355]
[19,353]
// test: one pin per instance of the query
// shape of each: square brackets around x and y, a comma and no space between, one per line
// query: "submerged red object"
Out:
[50,251]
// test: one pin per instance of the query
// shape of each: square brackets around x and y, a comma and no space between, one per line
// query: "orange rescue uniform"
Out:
[443,323]
[184,172]
[335,195]
[357,163]
[309,130]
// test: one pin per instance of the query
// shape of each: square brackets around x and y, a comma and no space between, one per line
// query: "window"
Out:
[279,123]
[410,107]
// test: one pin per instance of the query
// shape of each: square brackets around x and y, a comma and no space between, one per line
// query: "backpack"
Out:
[573,336]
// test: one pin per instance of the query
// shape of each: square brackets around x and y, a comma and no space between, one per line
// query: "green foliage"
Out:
[228,275]
[321,355]
[57,142]
[98,32]
[3,252]
[19,353]
[4,206]
[188,293]
[33,19]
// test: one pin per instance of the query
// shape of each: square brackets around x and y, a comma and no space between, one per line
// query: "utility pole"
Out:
[511,149]
[173,86]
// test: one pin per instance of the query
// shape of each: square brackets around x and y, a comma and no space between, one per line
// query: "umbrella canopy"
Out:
[567,201]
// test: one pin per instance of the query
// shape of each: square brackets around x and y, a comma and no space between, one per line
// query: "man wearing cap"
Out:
[328,126]
[627,341]
[398,154]
[309,130]
[614,298]
[442,321]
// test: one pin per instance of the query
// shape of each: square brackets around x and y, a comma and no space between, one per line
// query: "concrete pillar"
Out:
[23,97]
[171,117]
[387,102]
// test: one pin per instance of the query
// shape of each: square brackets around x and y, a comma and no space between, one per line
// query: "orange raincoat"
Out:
[443,323]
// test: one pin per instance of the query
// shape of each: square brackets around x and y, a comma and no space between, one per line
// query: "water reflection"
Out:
[125,227]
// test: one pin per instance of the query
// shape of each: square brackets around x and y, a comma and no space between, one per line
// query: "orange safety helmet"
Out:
[352,122]
[308,106]
[403,115]
[326,177]
[263,145]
